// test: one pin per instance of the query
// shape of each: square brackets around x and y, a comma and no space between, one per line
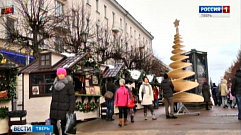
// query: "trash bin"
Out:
[16,117]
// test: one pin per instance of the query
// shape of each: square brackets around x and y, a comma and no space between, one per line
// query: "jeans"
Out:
[219,99]
[224,101]
[156,103]
[233,104]
[238,100]
[110,108]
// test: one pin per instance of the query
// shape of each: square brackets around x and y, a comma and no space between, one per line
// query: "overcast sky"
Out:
[219,37]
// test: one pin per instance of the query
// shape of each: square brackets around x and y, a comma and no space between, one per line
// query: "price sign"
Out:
[8,10]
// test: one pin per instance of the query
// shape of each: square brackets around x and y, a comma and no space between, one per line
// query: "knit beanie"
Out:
[165,76]
[122,81]
[61,71]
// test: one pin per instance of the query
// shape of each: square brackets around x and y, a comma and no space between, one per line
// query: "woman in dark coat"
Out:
[63,99]
[206,94]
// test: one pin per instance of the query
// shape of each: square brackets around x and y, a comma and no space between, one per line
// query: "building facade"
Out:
[48,24]
[101,16]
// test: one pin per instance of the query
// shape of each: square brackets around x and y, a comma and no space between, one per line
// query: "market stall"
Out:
[8,75]
[39,76]
[116,72]
[87,89]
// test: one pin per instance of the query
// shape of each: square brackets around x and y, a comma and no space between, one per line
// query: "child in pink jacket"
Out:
[121,101]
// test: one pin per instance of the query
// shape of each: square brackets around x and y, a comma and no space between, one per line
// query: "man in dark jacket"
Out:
[206,94]
[168,88]
[236,90]
[63,100]
[110,102]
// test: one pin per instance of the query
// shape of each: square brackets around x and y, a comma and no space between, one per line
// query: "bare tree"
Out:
[37,22]
[157,67]
[103,44]
[80,24]
[230,73]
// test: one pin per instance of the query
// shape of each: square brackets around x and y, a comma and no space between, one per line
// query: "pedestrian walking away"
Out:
[224,92]
[63,100]
[146,98]
[232,98]
[156,97]
[122,100]
[206,94]
[131,106]
[218,94]
[110,86]
[236,90]
[167,90]
[214,88]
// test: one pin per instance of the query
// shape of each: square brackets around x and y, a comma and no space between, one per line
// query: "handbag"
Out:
[132,103]
[109,95]
[70,127]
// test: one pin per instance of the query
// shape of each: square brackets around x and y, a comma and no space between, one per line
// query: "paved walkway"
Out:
[217,121]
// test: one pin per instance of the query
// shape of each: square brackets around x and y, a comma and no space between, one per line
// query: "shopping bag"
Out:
[70,127]
[48,122]
[102,100]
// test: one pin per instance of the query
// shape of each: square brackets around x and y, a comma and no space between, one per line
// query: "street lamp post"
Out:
[84,36]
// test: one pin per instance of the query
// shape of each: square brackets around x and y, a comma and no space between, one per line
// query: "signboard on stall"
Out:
[7,10]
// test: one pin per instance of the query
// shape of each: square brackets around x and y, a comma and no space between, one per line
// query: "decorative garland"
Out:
[3,112]
[86,62]
[13,82]
[86,107]
[89,62]
[8,81]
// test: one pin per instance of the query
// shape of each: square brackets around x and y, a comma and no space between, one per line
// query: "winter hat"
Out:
[165,76]
[122,81]
[61,71]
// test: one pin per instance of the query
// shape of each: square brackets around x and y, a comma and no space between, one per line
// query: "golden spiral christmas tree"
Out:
[178,74]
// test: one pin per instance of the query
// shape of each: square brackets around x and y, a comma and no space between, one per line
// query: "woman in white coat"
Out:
[146,97]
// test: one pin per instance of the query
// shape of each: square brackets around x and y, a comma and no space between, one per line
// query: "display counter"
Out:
[87,106]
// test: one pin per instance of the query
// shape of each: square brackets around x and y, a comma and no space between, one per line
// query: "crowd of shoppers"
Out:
[148,96]
[125,99]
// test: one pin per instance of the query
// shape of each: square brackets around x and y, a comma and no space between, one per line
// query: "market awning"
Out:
[15,58]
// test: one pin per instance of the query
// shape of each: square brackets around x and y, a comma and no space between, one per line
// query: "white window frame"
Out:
[97,5]
[59,8]
[121,23]
[105,11]
[113,17]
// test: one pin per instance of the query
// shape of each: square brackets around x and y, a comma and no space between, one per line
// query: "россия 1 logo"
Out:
[214,11]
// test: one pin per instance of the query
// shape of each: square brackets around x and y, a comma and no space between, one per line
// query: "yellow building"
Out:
[100,19]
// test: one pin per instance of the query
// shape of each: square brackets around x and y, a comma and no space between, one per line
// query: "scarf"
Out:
[60,84]
[144,90]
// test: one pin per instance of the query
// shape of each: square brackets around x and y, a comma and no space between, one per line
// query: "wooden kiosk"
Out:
[39,76]
[8,75]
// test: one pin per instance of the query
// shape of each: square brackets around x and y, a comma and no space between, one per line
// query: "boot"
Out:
[154,116]
[107,118]
[125,121]
[120,122]
[111,119]
[145,115]
[132,119]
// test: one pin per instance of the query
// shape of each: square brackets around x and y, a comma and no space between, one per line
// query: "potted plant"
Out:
[3,112]
[3,120]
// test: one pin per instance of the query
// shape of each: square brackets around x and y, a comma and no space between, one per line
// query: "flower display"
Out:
[86,107]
